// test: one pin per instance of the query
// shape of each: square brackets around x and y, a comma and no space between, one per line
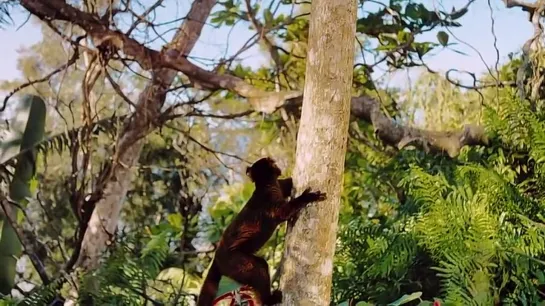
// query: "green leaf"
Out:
[403,36]
[226,285]
[540,277]
[442,36]
[458,14]
[191,284]
[33,184]
[423,48]
[268,17]
[175,220]
[411,11]
[219,17]
[459,52]
[406,298]
[27,129]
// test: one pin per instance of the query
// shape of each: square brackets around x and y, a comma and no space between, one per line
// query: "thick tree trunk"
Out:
[105,216]
[321,147]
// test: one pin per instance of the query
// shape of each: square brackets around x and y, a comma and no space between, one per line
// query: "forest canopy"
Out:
[136,120]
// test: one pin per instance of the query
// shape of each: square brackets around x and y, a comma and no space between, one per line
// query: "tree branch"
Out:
[535,11]
[394,134]
[364,107]
[525,6]
[114,185]
[69,63]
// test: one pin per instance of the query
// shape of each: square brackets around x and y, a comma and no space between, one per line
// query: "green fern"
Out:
[124,278]
[42,295]
[476,224]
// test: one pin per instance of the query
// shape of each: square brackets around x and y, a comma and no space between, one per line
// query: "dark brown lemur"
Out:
[250,230]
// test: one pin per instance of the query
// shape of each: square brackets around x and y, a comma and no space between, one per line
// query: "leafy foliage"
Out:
[469,231]
[135,271]
[27,129]
[413,226]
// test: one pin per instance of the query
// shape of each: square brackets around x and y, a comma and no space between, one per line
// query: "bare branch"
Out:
[263,35]
[70,62]
[206,148]
[364,108]
[142,18]
[394,134]
[525,6]
[114,184]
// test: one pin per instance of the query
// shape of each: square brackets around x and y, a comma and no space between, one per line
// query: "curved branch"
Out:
[394,134]
[364,108]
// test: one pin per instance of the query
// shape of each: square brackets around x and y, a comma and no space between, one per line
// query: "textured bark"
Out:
[105,216]
[321,148]
[399,136]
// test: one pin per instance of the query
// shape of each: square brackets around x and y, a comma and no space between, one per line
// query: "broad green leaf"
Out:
[411,11]
[443,37]
[175,220]
[27,129]
[406,298]
[459,13]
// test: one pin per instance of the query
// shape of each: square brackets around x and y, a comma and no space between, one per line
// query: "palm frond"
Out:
[61,142]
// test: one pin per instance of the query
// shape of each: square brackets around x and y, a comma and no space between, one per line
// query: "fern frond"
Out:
[42,295]
[423,187]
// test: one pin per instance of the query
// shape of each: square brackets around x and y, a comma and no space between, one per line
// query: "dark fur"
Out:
[250,230]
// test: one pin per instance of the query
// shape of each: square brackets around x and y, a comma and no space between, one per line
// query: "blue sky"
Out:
[511,27]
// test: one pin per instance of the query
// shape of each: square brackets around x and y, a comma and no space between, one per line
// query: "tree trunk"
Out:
[321,147]
[105,216]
